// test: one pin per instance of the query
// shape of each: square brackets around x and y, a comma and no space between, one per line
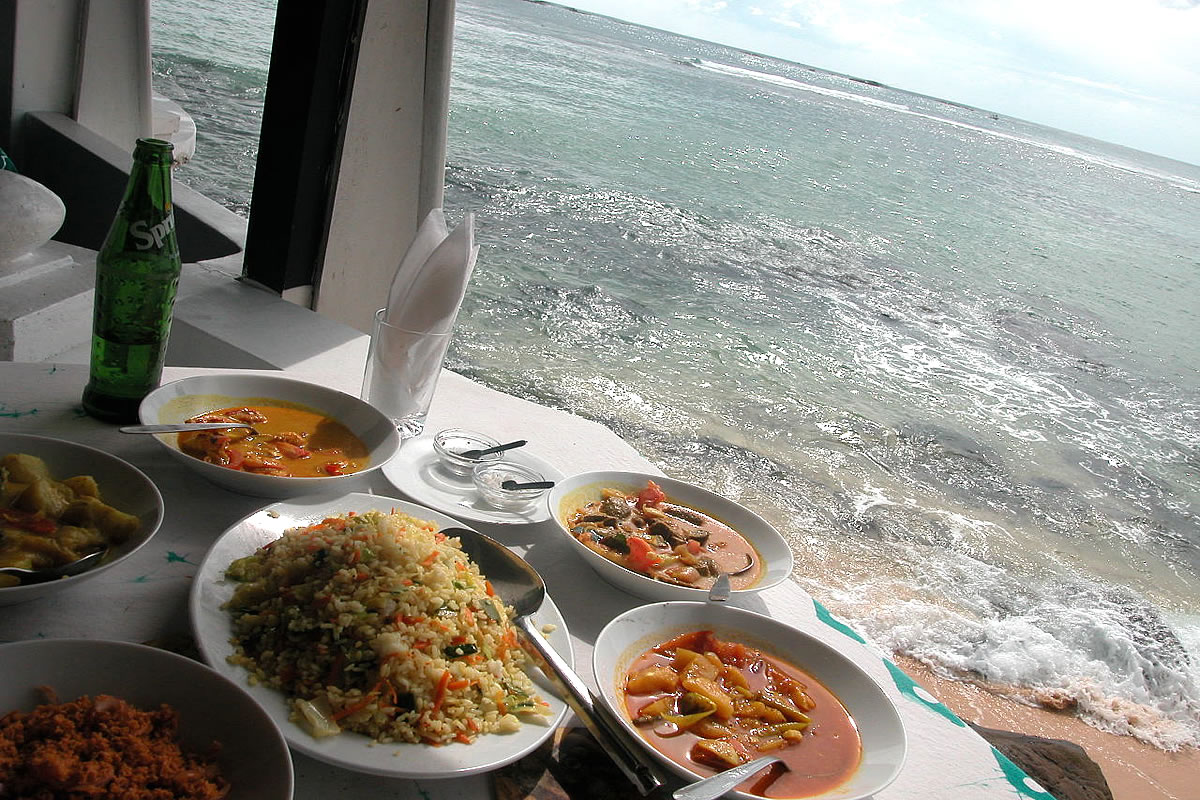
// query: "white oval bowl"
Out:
[254,757]
[884,743]
[182,399]
[122,486]
[577,490]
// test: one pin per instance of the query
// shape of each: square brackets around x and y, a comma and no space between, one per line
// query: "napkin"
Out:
[432,278]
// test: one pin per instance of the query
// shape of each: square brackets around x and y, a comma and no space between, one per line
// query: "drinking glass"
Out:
[402,373]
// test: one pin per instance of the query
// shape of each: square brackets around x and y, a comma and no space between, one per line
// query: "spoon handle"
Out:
[500,448]
[610,737]
[722,783]
[510,485]
[179,427]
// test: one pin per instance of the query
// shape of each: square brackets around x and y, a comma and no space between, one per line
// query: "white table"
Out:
[145,598]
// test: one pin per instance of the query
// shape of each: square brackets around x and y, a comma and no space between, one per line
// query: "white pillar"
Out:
[392,169]
[114,98]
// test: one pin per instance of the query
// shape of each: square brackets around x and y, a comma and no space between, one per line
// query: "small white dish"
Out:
[253,757]
[418,472]
[451,443]
[182,399]
[884,743]
[213,627]
[122,486]
[489,481]
[570,494]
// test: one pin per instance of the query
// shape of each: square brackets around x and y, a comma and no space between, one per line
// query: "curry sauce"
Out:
[285,441]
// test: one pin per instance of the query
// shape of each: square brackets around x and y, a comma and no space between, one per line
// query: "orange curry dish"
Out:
[710,704]
[289,442]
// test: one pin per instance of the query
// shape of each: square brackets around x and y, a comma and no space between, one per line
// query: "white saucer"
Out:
[417,471]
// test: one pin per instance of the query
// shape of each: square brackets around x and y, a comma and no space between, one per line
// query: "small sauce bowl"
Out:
[451,442]
[489,477]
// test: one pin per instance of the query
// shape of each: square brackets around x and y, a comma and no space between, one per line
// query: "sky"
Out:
[1123,71]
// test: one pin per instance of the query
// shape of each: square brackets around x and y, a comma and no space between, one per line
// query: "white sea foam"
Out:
[792,83]
[1040,645]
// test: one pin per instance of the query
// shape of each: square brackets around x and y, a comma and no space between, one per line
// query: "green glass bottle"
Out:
[137,273]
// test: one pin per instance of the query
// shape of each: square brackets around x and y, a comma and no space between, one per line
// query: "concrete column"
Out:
[392,169]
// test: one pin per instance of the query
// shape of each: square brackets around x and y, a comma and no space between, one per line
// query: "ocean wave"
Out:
[1176,181]
[792,83]
[1104,653]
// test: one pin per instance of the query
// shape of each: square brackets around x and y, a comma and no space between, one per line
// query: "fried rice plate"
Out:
[380,624]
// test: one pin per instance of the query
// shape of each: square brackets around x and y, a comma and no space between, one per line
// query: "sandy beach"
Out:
[1134,771]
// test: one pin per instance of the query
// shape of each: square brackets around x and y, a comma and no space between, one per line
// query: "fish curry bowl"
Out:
[706,686]
[305,438]
[664,539]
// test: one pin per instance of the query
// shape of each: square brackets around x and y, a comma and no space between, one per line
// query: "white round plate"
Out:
[253,756]
[354,751]
[418,472]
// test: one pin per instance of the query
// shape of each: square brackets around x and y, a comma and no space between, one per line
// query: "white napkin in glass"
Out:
[432,278]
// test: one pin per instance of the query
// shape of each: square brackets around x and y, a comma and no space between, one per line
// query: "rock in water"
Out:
[1063,768]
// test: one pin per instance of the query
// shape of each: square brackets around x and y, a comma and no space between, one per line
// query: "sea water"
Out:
[952,355]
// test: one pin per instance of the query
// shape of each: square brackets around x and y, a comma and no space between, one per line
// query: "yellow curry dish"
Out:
[46,522]
[648,534]
[288,442]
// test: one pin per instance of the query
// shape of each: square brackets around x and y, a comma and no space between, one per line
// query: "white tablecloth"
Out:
[145,599]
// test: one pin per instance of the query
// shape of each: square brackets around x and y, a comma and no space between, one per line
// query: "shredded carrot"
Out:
[455,686]
[360,705]
[429,559]
[462,737]
[439,694]
[488,586]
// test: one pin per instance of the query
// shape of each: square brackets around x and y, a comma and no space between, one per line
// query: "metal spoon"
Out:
[29,576]
[487,451]
[511,485]
[719,592]
[519,585]
[718,785]
[182,427]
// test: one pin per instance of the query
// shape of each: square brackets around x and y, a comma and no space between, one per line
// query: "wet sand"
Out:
[1134,771]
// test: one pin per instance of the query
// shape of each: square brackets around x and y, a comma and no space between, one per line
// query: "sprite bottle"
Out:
[137,273]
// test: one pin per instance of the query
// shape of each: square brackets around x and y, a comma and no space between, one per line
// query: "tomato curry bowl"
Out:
[712,704]
[664,540]
[705,686]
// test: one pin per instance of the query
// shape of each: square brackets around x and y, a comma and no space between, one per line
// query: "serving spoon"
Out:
[30,576]
[718,785]
[183,427]
[518,585]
